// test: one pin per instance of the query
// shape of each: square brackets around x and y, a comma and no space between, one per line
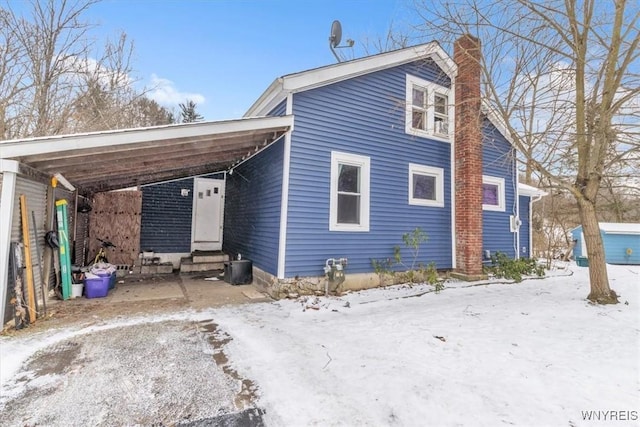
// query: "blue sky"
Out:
[224,54]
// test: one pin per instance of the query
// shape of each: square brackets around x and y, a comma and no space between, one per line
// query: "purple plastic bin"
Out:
[96,288]
[112,278]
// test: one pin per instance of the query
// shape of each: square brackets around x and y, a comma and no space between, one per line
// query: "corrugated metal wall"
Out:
[252,208]
[36,195]
[366,116]
[498,159]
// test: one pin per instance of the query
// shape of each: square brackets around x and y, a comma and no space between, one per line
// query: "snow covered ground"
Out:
[534,353]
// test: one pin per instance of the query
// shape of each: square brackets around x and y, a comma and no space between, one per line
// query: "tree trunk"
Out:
[600,291]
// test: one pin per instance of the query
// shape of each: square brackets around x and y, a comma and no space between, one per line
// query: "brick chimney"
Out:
[468,158]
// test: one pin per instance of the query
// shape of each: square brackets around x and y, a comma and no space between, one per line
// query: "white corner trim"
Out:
[7,201]
[12,166]
[284,201]
[452,172]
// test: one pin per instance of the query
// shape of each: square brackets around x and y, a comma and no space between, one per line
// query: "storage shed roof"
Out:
[617,228]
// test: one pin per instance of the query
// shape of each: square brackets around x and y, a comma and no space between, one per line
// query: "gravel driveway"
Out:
[163,372]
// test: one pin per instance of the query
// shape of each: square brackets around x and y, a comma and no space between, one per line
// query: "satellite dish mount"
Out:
[336,37]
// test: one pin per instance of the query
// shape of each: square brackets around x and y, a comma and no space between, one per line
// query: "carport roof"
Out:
[109,160]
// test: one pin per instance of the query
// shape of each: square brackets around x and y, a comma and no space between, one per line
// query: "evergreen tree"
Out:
[188,112]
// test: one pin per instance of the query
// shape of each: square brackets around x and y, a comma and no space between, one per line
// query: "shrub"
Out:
[412,242]
[502,266]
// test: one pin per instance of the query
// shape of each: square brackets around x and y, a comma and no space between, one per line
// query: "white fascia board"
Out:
[529,191]
[268,100]
[323,76]
[497,121]
[60,143]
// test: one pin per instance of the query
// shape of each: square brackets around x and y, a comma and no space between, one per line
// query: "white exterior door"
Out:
[208,214]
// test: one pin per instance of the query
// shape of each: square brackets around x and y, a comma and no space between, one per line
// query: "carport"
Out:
[102,161]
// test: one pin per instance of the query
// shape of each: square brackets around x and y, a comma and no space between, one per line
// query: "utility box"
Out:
[238,272]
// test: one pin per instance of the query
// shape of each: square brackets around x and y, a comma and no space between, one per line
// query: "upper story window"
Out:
[441,114]
[349,202]
[429,110]
[419,97]
[493,193]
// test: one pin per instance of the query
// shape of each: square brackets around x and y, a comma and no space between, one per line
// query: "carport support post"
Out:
[9,170]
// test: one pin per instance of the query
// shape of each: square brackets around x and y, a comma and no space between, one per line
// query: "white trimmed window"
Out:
[493,193]
[426,185]
[429,110]
[349,202]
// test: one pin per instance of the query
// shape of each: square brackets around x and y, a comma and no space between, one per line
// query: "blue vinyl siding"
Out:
[252,208]
[364,116]
[615,247]
[498,161]
[525,244]
[279,110]
[166,217]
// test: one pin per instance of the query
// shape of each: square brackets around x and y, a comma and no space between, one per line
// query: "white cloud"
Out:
[165,93]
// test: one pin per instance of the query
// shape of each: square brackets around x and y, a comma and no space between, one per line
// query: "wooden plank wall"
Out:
[116,217]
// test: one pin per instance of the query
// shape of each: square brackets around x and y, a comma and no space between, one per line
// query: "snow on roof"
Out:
[620,228]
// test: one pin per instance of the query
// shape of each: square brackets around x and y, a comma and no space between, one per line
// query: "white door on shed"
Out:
[208,214]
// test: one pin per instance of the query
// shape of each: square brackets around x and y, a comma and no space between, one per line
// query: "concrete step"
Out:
[188,266]
[209,257]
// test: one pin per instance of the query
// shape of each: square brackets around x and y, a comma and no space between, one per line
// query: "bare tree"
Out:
[54,79]
[562,78]
[13,68]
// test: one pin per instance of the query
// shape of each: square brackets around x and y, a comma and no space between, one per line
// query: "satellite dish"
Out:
[335,37]
[336,34]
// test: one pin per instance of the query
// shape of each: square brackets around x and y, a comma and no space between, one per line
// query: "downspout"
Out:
[532,200]
[516,214]
[9,170]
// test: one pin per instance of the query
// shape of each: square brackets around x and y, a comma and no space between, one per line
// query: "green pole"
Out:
[63,240]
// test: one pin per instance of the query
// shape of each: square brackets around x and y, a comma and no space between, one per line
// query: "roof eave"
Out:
[33,146]
[268,100]
[529,191]
[334,73]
